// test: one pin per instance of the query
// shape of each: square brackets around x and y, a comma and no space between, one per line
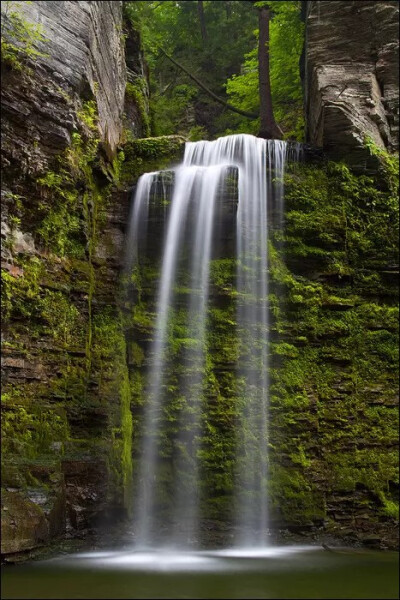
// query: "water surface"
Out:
[283,572]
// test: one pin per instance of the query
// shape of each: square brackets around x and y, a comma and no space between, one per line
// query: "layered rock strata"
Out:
[65,412]
[351,78]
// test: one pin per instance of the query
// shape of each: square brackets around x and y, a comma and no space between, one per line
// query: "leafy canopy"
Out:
[225,61]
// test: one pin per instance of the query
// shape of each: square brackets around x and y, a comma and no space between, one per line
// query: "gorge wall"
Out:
[75,100]
[351,77]
[66,423]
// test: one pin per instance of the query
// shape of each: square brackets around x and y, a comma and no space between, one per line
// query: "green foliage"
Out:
[27,429]
[227,58]
[222,272]
[58,229]
[197,133]
[20,293]
[390,508]
[19,38]
[174,114]
[341,221]
[61,316]
[88,115]
[286,43]
[149,154]
[389,164]
[62,228]
[177,104]
[136,91]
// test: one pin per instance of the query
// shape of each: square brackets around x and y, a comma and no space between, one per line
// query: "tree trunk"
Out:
[203,29]
[268,128]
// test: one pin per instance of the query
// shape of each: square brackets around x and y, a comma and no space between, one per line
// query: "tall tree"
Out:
[203,29]
[268,126]
[285,45]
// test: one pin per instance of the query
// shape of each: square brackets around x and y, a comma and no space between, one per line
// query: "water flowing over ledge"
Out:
[258,166]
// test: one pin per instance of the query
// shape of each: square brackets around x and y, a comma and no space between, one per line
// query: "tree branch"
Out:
[209,92]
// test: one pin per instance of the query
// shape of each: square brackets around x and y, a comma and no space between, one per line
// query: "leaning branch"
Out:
[209,92]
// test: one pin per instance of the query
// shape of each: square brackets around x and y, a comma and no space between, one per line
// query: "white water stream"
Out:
[197,186]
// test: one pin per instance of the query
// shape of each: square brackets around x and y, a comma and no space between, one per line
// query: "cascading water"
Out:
[197,185]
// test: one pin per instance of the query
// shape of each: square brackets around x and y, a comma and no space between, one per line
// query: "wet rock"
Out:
[83,60]
[370,540]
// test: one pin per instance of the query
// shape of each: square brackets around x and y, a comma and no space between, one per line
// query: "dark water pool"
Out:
[288,572]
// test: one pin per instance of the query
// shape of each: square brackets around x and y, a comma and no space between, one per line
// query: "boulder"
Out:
[23,523]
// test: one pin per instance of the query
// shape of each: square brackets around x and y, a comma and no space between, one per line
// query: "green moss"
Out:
[389,166]
[292,495]
[122,436]
[136,91]
[61,316]
[390,508]
[51,298]
[222,275]
[62,229]
[340,218]
[337,384]
[20,291]
[149,154]
[88,115]
[28,430]
[109,361]
[142,318]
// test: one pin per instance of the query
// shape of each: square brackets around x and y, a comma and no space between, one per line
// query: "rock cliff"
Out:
[66,425]
[351,77]
[82,57]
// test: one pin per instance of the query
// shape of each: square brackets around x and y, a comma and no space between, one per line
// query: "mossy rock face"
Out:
[150,154]
[65,375]
[333,394]
[23,524]
[75,362]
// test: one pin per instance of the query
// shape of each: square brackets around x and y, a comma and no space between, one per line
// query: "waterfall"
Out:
[190,229]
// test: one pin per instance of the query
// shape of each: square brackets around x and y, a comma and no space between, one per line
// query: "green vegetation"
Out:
[342,376]
[333,323]
[136,91]
[62,229]
[149,154]
[28,430]
[286,43]
[221,51]
[19,38]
